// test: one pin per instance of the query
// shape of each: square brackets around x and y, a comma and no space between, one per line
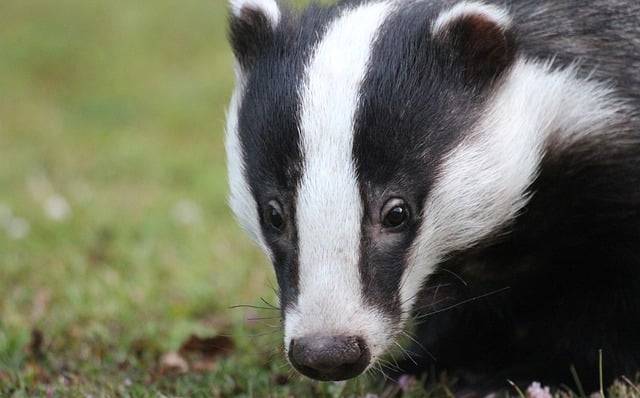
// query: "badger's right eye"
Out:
[395,213]
[273,216]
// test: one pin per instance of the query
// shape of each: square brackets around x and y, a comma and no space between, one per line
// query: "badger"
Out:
[461,178]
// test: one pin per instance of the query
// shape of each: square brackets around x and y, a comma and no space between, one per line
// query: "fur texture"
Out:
[511,133]
[328,200]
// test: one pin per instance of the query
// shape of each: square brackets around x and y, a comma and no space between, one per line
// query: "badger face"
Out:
[365,142]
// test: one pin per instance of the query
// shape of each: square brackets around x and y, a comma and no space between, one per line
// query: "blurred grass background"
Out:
[116,243]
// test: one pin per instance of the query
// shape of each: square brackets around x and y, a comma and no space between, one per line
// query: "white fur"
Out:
[484,182]
[329,209]
[268,7]
[241,199]
[498,15]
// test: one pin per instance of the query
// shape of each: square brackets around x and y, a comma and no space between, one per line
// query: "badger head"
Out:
[366,141]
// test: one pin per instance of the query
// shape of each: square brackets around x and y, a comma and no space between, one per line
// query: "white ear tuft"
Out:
[490,13]
[268,8]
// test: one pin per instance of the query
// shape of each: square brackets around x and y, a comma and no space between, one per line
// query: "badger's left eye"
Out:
[273,216]
[395,213]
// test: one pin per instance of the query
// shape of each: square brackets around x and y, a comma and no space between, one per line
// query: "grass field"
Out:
[116,244]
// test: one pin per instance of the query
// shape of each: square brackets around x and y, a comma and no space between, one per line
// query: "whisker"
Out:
[426,289]
[458,277]
[435,293]
[381,370]
[263,318]
[407,334]
[283,365]
[406,353]
[273,307]
[463,302]
[432,304]
[255,307]
[389,365]
[369,372]
[270,354]
[397,365]
[252,335]
[273,287]
[279,326]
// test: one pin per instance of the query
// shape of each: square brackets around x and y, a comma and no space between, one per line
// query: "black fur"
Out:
[251,35]
[482,47]
[571,260]
[269,120]
[571,263]
[400,137]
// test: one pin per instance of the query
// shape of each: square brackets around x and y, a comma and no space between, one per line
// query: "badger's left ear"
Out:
[480,36]
[252,25]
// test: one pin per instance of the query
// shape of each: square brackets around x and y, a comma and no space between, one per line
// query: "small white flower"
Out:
[57,208]
[406,383]
[187,212]
[17,228]
[536,390]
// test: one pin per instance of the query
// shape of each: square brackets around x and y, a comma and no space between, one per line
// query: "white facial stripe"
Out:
[241,199]
[490,12]
[267,7]
[483,183]
[329,209]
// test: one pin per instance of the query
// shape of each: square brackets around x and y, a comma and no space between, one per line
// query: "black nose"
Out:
[329,357]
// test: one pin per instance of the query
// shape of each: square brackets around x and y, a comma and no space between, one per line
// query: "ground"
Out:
[122,272]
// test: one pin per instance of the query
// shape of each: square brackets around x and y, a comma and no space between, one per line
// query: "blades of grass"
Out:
[576,378]
[568,390]
[601,373]
[391,391]
[448,392]
[631,384]
[518,390]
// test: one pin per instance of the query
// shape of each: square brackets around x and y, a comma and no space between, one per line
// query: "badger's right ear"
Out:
[252,24]
[480,36]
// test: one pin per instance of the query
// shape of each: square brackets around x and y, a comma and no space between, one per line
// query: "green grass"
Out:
[118,108]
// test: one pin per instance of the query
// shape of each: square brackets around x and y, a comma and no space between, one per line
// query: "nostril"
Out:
[329,357]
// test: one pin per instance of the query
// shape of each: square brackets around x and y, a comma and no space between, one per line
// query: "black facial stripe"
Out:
[382,263]
[414,107]
[269,122]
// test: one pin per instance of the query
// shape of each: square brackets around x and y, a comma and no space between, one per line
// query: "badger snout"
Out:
[329,358]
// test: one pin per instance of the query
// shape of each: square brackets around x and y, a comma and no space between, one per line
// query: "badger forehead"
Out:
[381,98]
